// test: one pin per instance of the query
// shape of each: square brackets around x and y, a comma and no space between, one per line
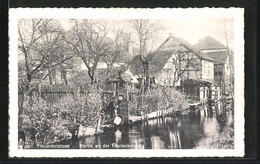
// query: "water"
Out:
[196,130]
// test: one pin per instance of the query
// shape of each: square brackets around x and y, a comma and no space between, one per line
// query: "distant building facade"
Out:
[221,56]
[176,63]
[177,60]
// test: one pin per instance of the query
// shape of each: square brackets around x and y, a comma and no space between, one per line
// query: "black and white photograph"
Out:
[126,82]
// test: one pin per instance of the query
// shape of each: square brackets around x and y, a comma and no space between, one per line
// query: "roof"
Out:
[173,42]
[159,59]
[220,57]
[125,57]
[180,45]
[161,56]
[101,73]
[209,43]
[136,66]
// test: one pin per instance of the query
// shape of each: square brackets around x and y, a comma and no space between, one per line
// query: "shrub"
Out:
[81,108]
[61,118]
[160,98]
[133,107]
[40,116]
[176,100]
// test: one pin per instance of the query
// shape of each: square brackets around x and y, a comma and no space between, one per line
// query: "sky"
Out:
[191,30]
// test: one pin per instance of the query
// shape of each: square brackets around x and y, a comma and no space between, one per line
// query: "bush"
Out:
[133,107]
[160,98]
[81,109]
[176,100]
[40,117]
[61,118]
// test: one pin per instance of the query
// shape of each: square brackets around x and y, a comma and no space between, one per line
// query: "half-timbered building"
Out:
[176,63]
[221,56]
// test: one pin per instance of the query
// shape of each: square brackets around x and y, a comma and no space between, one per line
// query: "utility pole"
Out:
[230,71]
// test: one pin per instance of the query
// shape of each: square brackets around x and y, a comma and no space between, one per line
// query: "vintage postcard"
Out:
[125,82]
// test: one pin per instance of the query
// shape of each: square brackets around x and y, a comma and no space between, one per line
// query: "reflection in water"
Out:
[118,136]
[137,140]
[195,130]
[211,132]
[157,143]
[175,141]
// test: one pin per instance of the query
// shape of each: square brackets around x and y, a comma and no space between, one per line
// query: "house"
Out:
[221,56]
[177,63]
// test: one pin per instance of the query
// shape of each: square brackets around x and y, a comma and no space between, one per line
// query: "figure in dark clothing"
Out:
[110,111]
[122,108]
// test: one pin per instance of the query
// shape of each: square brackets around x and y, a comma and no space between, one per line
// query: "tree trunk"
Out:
[25,93]
[50,77]
[147,77]
[21,101]
[91,76]
[64,74]
[109,69]
[142,86]
[148,82]
[91,71]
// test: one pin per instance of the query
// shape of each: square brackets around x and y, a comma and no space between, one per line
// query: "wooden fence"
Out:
[52,93]
[55,92]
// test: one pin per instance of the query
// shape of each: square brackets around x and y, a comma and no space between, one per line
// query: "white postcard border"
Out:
[124,13]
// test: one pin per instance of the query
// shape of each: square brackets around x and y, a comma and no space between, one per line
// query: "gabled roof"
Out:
[161,56]
[158,60]
[173,42]
[180,45]
[209,43]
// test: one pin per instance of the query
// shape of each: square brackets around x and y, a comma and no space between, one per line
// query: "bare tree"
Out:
[226,31]
[230,63]
[30,62]
[88,40]
[59,59]
[118,48]
[41,48]
[40,51]
[146,31]
[178,71]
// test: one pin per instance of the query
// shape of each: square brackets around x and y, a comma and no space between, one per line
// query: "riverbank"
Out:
[177,131]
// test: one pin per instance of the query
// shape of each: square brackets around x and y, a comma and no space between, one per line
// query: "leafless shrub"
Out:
[56,120]
[160,98]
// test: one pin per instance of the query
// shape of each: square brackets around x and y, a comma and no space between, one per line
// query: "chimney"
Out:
[171,35]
